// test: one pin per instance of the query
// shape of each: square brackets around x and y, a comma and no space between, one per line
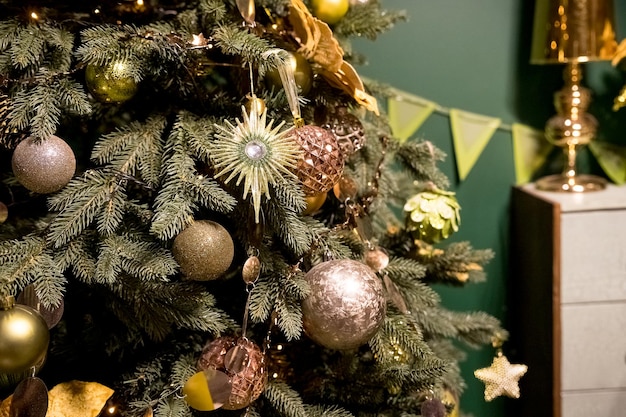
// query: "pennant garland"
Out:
[407,113]
[530,150]
[470,133]
[612,159]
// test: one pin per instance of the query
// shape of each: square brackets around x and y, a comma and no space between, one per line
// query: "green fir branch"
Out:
[368,20]
[9,31]
[77,255]
[80,202]
[420,159]
[212,11]
[172,407]
[284,399]
[28,46]
[235,40]
[136,148]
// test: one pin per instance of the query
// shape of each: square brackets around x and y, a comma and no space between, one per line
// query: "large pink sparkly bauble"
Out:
[322,162]
[43,166]
[346,305]
[243,362]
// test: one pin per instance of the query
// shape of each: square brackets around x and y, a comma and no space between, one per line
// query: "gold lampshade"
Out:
[571,32]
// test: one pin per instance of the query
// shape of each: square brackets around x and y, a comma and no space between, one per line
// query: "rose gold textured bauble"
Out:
[204,250]
[322,163]
[43,166]
[346,304]
[243,361]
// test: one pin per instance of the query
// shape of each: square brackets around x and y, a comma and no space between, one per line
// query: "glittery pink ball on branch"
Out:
[243,362]
[322,162]
[43,166]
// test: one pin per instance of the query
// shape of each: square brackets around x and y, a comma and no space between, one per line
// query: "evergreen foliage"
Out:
[103,243]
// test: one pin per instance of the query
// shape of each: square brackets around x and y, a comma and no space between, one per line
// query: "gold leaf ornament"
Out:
[318,44]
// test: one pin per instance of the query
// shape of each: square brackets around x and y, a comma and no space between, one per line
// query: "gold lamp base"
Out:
[571,184]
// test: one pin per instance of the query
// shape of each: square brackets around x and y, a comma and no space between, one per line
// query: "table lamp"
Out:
[571,32]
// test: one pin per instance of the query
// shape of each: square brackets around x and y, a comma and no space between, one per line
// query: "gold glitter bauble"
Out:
[346,305]
[43,166]
[24,338]
[243,362]
[302,74]
[111,83]
[321,165]
[204,250]
[314,202]
[255,103]
[330,11]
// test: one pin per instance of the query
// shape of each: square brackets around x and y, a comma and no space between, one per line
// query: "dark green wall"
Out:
[473,55]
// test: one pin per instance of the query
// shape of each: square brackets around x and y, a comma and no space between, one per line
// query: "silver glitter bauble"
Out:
[43,166]
[346,305]
[204,250]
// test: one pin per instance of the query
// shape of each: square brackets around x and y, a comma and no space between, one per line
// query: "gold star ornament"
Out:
[501,378]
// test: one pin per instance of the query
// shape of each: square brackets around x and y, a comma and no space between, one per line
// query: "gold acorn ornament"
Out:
[330,11]
[433,214]
[112,82]
[24,338]
[43,166]
[204,250]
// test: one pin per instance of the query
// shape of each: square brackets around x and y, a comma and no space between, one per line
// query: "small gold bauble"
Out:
[302,73]
[451,399]
[330,11]
[251,270]
[204,250]
[256,104]
[43,166]
[4,212]
[314,202]
[111,83]
[24,338]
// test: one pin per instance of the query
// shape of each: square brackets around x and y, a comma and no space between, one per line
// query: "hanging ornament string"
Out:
[281,60]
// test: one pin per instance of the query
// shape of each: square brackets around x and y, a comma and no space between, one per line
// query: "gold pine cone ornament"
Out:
[433,215]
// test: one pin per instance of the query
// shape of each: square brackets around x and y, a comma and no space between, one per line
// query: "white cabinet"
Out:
[568,301]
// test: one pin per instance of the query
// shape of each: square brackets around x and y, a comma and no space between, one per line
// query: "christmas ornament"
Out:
[432,407]
[204,250]
[321,164]
[256,104]
[451,401]
[348,130]
[620,100]
[314,202]
[302,72]
[433,214]
[247,10]
[501,378]
[243,362]
[317,44]
[330,11]
[24,338]
[78,399]
[4,212]
[52,315]
[346,304]
[43,166]
[30,399]
[111,83]
[255,153]
[207,390]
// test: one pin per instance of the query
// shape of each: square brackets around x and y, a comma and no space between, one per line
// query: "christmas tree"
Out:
[204,209]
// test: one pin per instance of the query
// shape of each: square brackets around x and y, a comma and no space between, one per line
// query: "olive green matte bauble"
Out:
[330,11]
[302,73]
[110,83]
[24,338]
[204,250]
[43,166]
